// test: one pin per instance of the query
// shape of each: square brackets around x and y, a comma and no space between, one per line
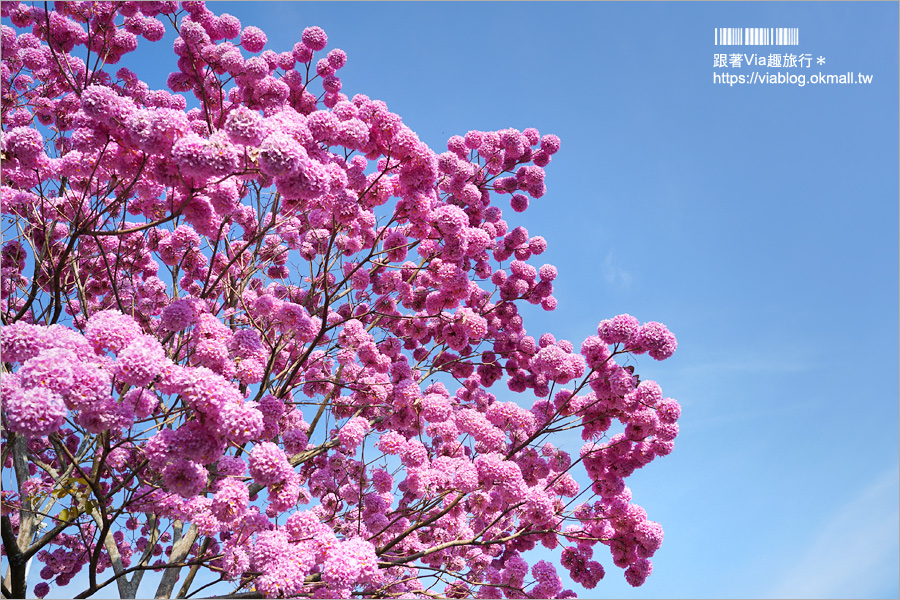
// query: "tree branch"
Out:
[180,550]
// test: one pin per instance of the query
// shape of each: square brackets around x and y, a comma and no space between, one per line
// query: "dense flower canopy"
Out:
[256,327]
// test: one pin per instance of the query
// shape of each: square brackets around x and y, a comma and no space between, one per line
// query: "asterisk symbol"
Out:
[821,60]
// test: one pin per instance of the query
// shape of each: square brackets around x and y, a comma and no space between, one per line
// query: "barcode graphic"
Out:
[757,36]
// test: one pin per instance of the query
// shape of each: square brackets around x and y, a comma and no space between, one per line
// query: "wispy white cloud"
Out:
[855,554]
[614,274]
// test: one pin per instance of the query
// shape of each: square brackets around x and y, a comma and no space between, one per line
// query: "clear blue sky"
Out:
[760,223]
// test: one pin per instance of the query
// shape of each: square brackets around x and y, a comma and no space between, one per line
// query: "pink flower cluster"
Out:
[352,433]
[268,464]
[651,337]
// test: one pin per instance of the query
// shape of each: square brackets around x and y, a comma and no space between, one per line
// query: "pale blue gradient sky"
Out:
[759,223]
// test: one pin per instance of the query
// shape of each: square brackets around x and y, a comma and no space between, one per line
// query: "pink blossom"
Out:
[656,339]
[337,58]
[283,495]
[637,573]
[348,562]
[622,329]
[391,442]
[253,39]
[105,106]
[156,130]
[295,441]
[473,139]
[184,477]
[436,408]
[25,144]
[519,202]
[178,315]
[203,158]
[142,401]
[111,330]
[244,126]
[308,182]
[91,383]
[509,415]
[352,433]
[229,26]
[449,219]
[268,464]
[314,38]
[550,144]
[21,341]
[231,465]
[669,410]
[474,423]
[141,361]
[537,245]
[51,369]
[194,441]
[280,154]
[239,423]
[230,500]
[35,412]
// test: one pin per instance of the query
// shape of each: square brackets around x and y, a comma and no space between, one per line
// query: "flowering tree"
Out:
[251,344]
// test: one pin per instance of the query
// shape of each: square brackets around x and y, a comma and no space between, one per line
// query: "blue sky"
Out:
[758,222]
